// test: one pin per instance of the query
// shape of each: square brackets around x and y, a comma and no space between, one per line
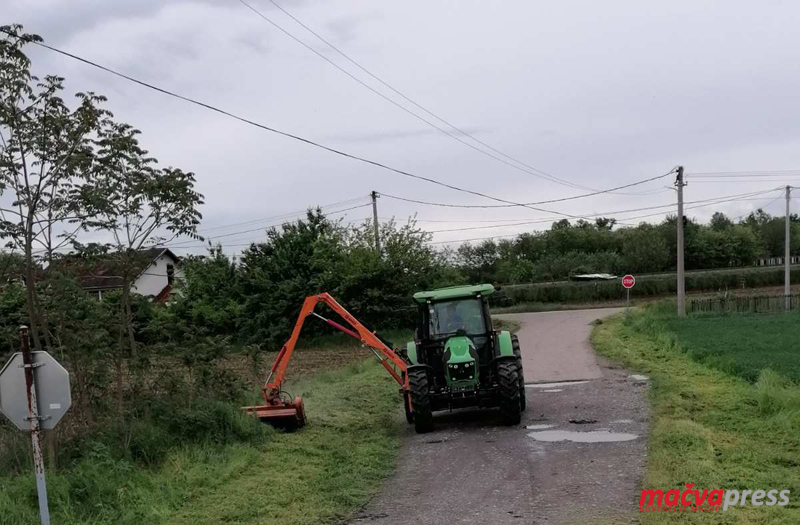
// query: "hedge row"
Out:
[646,286]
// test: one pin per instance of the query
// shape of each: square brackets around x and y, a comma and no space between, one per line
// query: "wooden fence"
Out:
[744,304]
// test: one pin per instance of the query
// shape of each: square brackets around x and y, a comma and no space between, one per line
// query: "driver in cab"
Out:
[453,322]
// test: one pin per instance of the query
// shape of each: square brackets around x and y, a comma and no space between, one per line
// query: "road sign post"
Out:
[628,282]
[33,418]
[35,395]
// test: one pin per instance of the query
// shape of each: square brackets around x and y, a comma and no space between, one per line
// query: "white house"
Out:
[158,272]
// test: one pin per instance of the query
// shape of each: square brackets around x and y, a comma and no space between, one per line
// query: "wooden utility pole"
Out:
[681,277]
[375,196]
[787,278]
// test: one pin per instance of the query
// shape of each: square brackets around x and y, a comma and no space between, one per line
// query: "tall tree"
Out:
[45,152]
[140,206]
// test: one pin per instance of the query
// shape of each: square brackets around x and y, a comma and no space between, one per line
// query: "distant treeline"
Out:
[582,247]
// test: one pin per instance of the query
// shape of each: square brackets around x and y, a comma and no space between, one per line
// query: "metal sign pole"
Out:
[628,302]
[33,418]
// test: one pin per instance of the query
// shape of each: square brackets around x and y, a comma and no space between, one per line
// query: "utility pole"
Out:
[375,196]
[787,279]
[681,278]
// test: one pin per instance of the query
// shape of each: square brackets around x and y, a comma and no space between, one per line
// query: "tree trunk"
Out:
[126,300]
[30,287]
[118,370]
[43,322]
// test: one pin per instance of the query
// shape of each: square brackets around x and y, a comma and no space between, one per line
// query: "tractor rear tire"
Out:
[509,392]
[523,403]
[420,400]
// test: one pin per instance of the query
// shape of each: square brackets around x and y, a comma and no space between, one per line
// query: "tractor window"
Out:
[447,318]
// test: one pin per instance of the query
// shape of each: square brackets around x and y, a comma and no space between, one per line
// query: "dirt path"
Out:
[470,470]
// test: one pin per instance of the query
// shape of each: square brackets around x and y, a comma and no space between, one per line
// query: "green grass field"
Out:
[743,345]
[709,425]
[318,475]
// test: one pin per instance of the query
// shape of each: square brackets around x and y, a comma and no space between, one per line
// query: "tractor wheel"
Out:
[420,400]
[520,372]
[509,391]
[407,406]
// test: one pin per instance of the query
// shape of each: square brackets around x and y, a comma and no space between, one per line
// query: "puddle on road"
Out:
[554,385]
[638,377]
[598,436]
[539,427]
[622,421]
[553,390]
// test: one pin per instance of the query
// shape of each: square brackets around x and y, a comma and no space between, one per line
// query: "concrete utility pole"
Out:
[681,277]
[787,279]
[375,196]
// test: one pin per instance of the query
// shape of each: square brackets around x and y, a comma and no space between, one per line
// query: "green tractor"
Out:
[457,360]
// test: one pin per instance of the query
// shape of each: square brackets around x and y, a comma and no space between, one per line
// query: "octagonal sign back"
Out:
[52,390]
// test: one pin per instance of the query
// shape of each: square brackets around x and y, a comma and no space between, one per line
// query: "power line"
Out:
[718,200]
[261,228]
[738,181]
[531,170]
[701,203]
[767,205]
[531,203]
[291,135]
[740,173]
[415,219]
[478,239]
[285,215]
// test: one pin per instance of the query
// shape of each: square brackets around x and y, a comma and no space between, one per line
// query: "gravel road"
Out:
[578,456]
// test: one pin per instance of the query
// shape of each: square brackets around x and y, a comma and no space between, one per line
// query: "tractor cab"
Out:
[457,359]
[454,327]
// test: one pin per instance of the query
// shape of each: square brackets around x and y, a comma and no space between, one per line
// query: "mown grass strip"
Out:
[709,427]
[318,475]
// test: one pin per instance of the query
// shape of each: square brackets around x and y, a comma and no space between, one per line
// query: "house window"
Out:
[170,274]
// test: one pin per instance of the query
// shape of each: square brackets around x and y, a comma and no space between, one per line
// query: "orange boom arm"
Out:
[393,363]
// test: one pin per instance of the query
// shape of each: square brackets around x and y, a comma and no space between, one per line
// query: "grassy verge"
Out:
[710,427]
[317,475]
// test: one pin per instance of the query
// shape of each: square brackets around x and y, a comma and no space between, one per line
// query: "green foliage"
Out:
[567,249]
[257,300]
[341,458]
[12,315]
[208,296]
[45,154]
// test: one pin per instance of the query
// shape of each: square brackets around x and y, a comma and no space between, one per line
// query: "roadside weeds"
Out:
[709,428]
[320,474]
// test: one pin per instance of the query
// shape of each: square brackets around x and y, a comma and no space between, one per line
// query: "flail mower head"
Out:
[288,415]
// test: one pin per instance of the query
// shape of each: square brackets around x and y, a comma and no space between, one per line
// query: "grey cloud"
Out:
[601,94]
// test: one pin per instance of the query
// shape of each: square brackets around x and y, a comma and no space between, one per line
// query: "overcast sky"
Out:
[597,93]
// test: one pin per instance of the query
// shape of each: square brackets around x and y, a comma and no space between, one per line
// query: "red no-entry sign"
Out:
[628,281]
